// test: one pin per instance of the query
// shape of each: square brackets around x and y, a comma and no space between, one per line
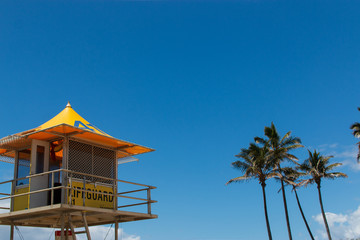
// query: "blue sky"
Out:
[196,80]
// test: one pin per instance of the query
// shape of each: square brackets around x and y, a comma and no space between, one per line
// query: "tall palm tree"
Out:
[318,167]
[291,177]
[279,151]
[356,132]
[255,163]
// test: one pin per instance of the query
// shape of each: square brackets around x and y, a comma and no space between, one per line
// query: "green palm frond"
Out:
[272,175]
[260,140]
[306,182]
[291,176]
[318,166]
[254,163]
[291,157]
[286,136]
[356,132]
[242,166]
[272,134]
[305,167]
[279,148]
[331,166]
[293,142]
[238,179]
[295,146]
[356,129]
[334,175]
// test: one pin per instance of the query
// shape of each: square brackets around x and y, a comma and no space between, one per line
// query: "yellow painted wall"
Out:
[22,202]
[97,199]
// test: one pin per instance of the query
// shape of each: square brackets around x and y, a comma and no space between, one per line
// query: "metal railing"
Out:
[67,189]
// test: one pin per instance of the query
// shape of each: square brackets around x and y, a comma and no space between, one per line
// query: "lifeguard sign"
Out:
[67,167]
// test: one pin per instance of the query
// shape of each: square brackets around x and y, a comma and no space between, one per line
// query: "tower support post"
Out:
[116,230]
[62,226]
[12,232]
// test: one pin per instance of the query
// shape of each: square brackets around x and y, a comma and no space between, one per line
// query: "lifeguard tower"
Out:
[65,176]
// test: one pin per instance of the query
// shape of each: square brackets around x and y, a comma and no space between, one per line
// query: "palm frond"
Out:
[291,157]
[254,163]
[334,175]
[238,179]
[331,166]
[287,135]
[279,149]
[295,146]
[318,167]
[306,182]
[272,134]
[260,140]
[242,166]
[356,129]
[291,141]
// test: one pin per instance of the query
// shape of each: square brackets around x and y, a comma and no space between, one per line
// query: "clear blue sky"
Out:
[195,80]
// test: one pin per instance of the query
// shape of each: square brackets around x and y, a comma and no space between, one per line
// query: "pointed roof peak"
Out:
[70,117]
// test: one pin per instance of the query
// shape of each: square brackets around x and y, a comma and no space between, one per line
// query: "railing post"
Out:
[12,200]
[52,188]
[149,200]
[116,230]
[65,189]
[13,186]
[62,226]
[70,179]
[114,192]
[64,183]
[12,231]
[83,193]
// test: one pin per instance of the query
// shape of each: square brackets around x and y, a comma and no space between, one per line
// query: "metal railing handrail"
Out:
[32,175]
[74,172]
[106,178]
[69,179]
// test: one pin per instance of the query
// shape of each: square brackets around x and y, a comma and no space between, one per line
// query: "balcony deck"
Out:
[49,216]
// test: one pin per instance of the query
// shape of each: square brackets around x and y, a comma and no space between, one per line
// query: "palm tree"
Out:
[279,151]
[356,132]
[318,167]
[291,177]
[255,163]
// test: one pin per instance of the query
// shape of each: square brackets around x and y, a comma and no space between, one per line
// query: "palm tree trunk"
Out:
[265,209]
[323,212]
[302,214]
[286,210]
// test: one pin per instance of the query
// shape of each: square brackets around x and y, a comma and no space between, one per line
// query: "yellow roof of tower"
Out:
[69,123]
[70,117]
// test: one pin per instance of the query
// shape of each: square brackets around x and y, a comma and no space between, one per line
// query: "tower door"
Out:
[39,164]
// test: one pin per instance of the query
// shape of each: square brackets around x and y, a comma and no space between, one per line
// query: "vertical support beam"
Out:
[71,190]
[114,194]
[92,162]
[65,153]
[65,165]
[12,232]
[84,188]
[116,230]
[149,200]
[66,233]
[72,228]
[52,188]
[16,166]
[86,226]
[115,182]
[62,226]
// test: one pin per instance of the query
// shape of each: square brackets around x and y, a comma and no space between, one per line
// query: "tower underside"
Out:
[50,216]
